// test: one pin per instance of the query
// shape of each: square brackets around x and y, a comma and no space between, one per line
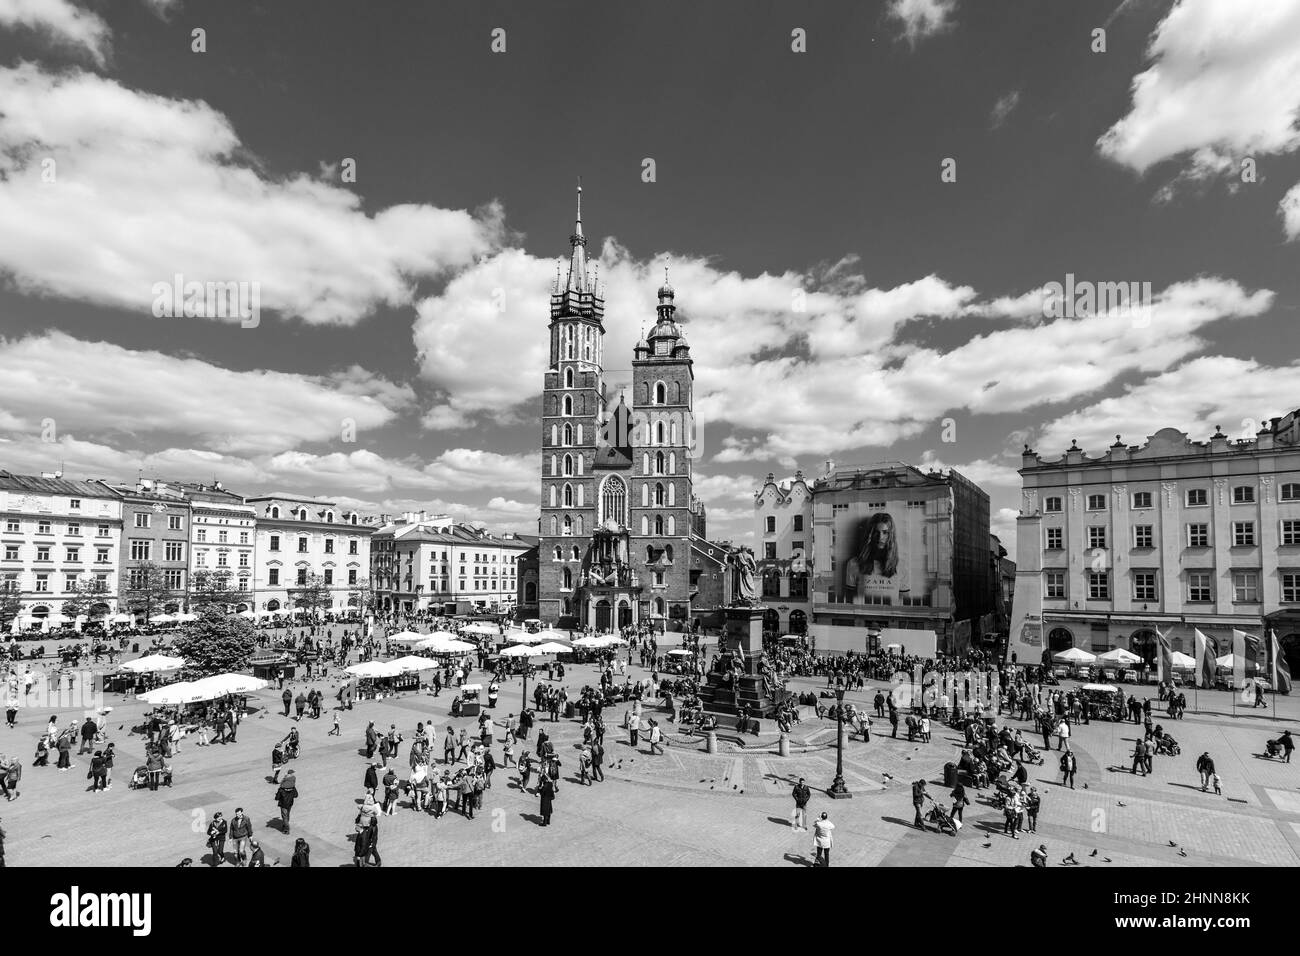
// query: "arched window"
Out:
[552,496]
[645,393]
[568,435]
[613,500]
[659,607]
[672,434]
[568,404]
[648,440]
[672,463]
[661,394]
[354,517]
[555,436]
[672,525]
[568,378]
[329,517]
[645,524]
[671,496]
[568,464]
[580,495]
[649,552]
[568,524]
[677,393]
[568,579]
[659,524]
[581,458]
[557,549]
[553,462]
[302,514]
[659,433]
[580,531]
[530,592]
[645,496]
[659,493]
[568,495]
[645,463]
[579,433]
[668,552]
[554,524]
[275,512]
[577,555]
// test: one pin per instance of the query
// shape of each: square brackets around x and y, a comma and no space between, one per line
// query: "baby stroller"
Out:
[1030,755]
[1273,748]
[942,819]
[139,778]
[1167,745]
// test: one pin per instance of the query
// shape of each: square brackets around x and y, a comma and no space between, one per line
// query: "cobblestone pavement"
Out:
[685,807]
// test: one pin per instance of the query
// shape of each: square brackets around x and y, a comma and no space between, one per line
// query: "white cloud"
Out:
[1208,392]
[1289,210]
[982,471]
[62,22]
[100,389]
[922,18]
[1003,108]
[711,488]
[148,187]
[1222,85]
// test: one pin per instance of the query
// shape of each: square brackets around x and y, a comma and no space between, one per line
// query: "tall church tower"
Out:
[573,403]
[663,378]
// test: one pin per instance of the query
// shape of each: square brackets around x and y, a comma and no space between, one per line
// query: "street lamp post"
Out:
[839,790]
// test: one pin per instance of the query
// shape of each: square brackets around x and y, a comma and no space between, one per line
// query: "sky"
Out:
[862,207]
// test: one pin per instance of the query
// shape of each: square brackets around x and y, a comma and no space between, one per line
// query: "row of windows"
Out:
[769,525]
[573,524]
[223,537]
[144,519]
[769,549]
[223,559]
[327,576]
[1193,498]
[46,526]
[1199,586]
[43,581]
[274,543]
[300,514]
[72,555]
[1196,534]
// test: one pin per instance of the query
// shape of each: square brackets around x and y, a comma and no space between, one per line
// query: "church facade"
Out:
[618,516]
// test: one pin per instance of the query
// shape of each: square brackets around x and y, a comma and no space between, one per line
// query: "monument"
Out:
[739,679]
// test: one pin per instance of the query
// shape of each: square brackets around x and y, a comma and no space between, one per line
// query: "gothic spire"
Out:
[578,257]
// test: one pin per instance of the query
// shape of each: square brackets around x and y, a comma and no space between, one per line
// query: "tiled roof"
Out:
[36,485]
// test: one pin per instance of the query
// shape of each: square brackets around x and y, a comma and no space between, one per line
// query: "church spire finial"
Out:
[578,257]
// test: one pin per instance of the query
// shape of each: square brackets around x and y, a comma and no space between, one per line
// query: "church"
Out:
[622,535]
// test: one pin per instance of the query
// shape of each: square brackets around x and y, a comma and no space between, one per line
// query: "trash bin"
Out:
[568,710]
[950,775]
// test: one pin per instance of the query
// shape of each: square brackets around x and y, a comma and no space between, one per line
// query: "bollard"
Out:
[711,742]
[783,745]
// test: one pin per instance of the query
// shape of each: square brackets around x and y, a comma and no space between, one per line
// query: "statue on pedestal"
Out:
[744,577]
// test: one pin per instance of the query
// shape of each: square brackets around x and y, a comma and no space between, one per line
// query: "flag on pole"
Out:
[1281,673]
[1207,649]
[1164,657]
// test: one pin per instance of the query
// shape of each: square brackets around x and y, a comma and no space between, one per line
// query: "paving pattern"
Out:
[686,807]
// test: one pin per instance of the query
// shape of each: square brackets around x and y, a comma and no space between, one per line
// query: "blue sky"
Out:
[842,301]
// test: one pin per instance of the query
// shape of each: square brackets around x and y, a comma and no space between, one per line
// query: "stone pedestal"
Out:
[711,743]
[742,633]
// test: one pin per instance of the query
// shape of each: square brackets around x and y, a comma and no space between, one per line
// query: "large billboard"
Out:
[884,552]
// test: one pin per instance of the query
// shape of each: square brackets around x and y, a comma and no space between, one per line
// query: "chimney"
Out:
[830,467]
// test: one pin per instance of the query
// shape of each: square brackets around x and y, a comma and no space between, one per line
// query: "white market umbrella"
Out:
[153,663]
[186,617]
[406,637]
[1075,655]
[180,693]
[1120,656]
[1179,659]
[478,627]
[445,645]
[550,647]
[522,650]
[589,642]
[120,619]
[373,669]
[219,685]
[680,652]
[413,664]
[1227,660]
[248,614]
[162,619]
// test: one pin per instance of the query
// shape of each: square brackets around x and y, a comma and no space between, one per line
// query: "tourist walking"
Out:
[301,854]
[802,793]
[241,831]
[284,798]
[1205,766]
[1069,765]
[547,789]
[217,830]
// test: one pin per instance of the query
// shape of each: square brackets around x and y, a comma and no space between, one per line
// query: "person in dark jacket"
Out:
[217,831]
[372,740]
[371,782]
[301,854]
[285,797]
[88,731]
[258,857]
[547,790]
[98,774]
[299,705]
[241,831]
[287,698]
[1205,765]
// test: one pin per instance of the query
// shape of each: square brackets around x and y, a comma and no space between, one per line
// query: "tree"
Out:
[216,643]
[11,605]
[145,589]
[313,595]
[364,596]
[86,593]
[210,589]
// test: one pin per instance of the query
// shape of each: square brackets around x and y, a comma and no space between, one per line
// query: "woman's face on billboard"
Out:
[883,532]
